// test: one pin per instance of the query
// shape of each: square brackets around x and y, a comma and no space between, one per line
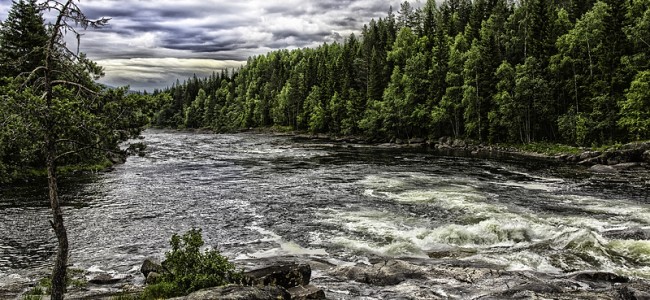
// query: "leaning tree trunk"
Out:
[61,263]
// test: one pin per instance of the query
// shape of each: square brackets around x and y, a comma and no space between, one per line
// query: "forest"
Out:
[495,71]
[574,72]
[50,101]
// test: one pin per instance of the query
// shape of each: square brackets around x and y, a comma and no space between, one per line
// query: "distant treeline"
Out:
[570,71]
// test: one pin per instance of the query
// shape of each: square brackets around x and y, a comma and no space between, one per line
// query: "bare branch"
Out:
[81,87]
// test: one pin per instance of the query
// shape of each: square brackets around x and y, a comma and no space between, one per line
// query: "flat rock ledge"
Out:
[466,280]
[288,281]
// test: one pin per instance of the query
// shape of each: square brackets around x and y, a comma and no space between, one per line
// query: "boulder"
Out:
[286,276]
[537,287]
[625,156]
[458,143]
[417,141]
[153,278]
[104,278]
[599,276]
[592,161]
[149,266]
[589,154]
[116,158]
[630,293]
[627,166]
[390,272]
[603,169]
[305,292]
[646,156]
[238,292]
[628,234]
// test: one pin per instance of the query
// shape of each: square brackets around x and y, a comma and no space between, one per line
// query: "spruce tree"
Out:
[22,39]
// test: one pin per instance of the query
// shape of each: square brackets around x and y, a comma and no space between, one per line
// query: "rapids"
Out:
[263,196]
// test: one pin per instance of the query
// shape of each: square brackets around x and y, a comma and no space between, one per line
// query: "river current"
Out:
[261,196]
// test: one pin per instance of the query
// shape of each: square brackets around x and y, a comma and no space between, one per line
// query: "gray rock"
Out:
[239,292]
[589,154]
[646,156]
[538,288]
[458,143]
[306,292]
[104,278]
[390,272]
[627,166]
[416,141]
[153,278]
[628,234]
[599,276]
[630,293]
[149,266]
[592,161]
[286,276]
[603,169]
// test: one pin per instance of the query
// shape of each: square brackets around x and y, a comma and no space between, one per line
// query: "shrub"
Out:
[191,269]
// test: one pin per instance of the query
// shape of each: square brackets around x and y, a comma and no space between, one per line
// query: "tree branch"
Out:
[65,82]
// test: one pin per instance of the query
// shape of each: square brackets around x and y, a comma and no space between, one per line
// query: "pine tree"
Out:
[22,39]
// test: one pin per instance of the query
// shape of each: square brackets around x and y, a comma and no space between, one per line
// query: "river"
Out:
[259,196]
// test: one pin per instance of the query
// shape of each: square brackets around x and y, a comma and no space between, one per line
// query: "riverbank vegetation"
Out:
[189,269]
[52,113]
[88,120]
[494,71]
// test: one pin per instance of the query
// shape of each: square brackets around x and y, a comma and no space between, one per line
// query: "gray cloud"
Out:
[148,32]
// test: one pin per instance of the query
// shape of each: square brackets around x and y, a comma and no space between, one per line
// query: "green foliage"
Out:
[191,269]
[548,148]
[495,71]
[74,278]
[22,39]
[635,109]
[125,296]
[36,293]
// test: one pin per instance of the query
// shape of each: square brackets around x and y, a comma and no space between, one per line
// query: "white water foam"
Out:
[285,248]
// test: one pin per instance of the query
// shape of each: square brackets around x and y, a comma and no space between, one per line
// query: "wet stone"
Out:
[286,275]
[104,279]
[149,266]
[238,292]
[390,272]
[599,276]
[306,292]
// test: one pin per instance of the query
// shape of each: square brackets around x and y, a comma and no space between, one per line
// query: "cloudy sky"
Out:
[150,43]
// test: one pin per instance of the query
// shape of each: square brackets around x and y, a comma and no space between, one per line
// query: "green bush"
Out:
[191,269]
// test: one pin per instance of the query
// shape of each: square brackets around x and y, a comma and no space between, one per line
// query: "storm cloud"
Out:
[149,44]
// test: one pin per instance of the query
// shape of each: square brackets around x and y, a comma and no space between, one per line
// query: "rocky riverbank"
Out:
[629,156]
[302,278]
